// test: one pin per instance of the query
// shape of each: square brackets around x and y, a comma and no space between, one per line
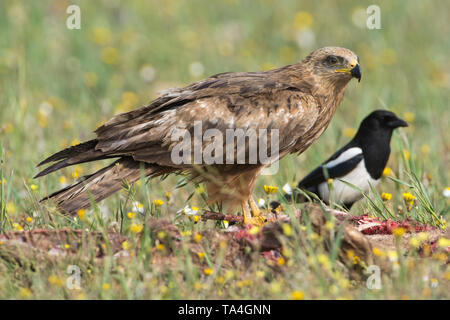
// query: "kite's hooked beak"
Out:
[356,72]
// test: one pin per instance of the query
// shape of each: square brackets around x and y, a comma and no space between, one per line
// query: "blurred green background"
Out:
[59,84]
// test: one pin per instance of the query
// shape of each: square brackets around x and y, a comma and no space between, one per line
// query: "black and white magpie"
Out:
[359,162]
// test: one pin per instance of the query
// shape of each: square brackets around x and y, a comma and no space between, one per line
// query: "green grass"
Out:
[58,85]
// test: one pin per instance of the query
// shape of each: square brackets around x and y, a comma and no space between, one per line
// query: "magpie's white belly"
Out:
[342,193]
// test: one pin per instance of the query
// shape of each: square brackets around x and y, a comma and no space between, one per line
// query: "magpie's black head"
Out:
[381,120]
[374,137]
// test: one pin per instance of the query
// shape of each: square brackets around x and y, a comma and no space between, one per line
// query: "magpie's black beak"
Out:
[397,123]
[356,72]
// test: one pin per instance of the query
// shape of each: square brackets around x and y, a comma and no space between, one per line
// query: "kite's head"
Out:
[335,64]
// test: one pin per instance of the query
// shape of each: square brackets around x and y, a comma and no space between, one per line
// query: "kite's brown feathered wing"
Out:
[298,100]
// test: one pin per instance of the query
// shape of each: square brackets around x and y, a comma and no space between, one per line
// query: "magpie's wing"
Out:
[335,171]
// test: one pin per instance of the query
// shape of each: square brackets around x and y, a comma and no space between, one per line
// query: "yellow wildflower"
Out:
[351,255]
[286,252]
[444,242]
[324,261]
[376,251]
[440,256]
[160,247]
[386,196]
[398,232]
[130,215]
[158,203]
[229,274]
[406,154]
[275,286]
[425,149]
[168,195]
[81,213]
[110,55]
[161,235]
[260,274]
[197,286]
[344,283]
[25,293]
[409,116]
[303,20]
[422,236]
[55,281]
[287,230]
[17,227]
[408,197]
[220,280]
[77,171]
[447,276]
[100,36]
[200,255]
[138,207]
[62,180]
[106,286]
[386,171]
[136,228]
[270,189]
[207,271]
[297,295]
[186,233]
[414,242]
[349,132]
[8,127]
[10,208]
[315,237]
[194,218]
[393,255]
[446,192]
[197,237]
[329,225]
[267,66]
[281,261]
[33,187]
[125,245]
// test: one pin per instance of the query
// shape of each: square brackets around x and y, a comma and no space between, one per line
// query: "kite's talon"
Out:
[254,207]
[250,218]
[258,221]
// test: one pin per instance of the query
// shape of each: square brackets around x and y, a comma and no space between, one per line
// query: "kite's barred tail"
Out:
[101,184]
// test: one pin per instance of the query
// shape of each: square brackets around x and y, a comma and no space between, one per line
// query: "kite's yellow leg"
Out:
[255,209]
[257,221]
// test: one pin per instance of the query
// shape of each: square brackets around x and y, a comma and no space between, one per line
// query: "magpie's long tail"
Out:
[101,184]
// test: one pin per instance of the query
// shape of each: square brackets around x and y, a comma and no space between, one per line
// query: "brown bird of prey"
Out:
[296,101]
